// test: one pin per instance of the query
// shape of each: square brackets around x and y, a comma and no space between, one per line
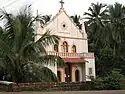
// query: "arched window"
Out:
[56,47]
[65,46]
[59,75]
[77,75]
[73,49]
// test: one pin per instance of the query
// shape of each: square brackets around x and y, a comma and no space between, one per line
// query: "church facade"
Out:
[73,48]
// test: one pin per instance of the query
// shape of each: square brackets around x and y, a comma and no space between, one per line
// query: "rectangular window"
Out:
[90,71]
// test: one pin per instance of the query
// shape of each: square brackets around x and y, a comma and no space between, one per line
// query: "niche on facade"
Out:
[65,46]
[73,49]
[56,48]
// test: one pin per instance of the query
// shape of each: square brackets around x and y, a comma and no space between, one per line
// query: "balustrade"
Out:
[71,55]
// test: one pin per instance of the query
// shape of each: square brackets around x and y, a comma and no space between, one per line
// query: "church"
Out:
[73,48]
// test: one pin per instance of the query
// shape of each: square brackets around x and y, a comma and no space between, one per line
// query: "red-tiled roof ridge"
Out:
[75,60]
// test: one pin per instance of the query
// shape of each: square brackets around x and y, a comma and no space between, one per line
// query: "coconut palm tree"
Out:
[114,29]
[106,36]
[21,58]
[97,13]
[117,19]
[113,39]
[96,19]
[77,19]
[47,18]
[43,19]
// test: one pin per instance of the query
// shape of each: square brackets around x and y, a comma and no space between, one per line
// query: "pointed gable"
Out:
[63,25]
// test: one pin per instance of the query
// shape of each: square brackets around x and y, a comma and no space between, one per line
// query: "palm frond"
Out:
[7,51]
[51,60]
[47,39]
[18,49]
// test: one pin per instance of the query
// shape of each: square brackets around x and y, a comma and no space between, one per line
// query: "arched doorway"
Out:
[65,46]
[59,75]
[73,49]
[56,48]
[67,72]
[77,75]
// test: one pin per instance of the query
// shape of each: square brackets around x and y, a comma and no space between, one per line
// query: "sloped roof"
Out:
[76,60]
[61,11]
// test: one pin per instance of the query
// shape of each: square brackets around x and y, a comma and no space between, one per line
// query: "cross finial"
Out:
[62,2]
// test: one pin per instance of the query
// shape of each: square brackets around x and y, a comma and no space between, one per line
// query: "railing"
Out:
[71,55]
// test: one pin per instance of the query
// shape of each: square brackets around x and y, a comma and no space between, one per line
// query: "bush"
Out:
[112,81]
[7,88]
[98,84]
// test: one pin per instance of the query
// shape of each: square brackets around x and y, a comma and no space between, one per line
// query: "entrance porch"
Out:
[73,72]
[78,66]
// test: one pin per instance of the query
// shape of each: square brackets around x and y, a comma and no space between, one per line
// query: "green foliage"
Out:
[112,81]
[39,73]
[106,31]
[76,20]
[22,59]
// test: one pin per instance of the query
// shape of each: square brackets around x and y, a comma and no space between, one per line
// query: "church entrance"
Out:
[68,72]
[77,75]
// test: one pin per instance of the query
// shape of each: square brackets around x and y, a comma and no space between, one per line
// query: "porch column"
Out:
[62,74]
[73,72]
[83,72]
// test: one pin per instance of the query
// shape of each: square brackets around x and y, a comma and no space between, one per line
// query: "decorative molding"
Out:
[64,32]
[67,16]
[89,58]
[72,38]
[64,26]
[74,66]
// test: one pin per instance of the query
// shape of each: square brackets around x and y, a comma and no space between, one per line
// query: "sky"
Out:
[52,6]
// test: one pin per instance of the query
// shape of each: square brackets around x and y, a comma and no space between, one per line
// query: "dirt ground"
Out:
[70,92]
